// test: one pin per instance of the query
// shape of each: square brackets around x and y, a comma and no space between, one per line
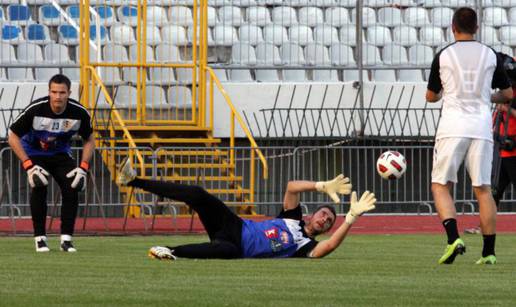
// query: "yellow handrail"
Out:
[116,115]
[235,114]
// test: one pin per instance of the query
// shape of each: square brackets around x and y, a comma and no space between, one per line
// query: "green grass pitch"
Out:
[367,270]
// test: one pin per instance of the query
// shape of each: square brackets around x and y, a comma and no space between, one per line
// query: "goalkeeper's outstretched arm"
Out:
[357,208]
[338,185]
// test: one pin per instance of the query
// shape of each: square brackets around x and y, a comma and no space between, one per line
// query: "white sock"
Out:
[40,238]
[66,238]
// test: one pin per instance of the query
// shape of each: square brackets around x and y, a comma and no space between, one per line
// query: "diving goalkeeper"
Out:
[233,237]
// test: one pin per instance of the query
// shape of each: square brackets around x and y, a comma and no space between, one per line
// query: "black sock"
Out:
[489,245]
[451,230]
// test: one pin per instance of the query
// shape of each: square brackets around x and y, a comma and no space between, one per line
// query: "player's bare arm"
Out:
[432,96]
[502,96]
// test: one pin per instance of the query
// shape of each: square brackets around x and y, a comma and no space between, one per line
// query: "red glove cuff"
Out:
[84,165]
[27,164]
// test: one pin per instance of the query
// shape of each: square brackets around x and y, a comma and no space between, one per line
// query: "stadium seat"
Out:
[410,75]
[310,16]
[442,17]
[368,16]
[503,48]
[37,33]
[94,56]
[56,53]
[342,55]
[122,34]
[111,76]
[133,53]
[326,34]
[275,34]
[284,15]
[258,15]
[128,15]
[103,34]
[106,15]
[156,99]
[267,54]
[219,3]
[353,75]
[394,55]
[512,16]
[325,3]
[371,55]
[250,34]
[347,3]
[162,76]
[243,53]
[383,76]
[189,34]
[298,3]
[348,35]
[168,53]
[50,16]
[376,3]
[292,55]
[495,17]
[458,3]
[18,14]
[30,53]
[337,16]
[245,3]
[212,19]
[114,53]
[179,97]
[266,75]
[45,73]
[156,15]
[504,3]
[11,33]
[230,15]
[20,74]
[125,100]
[182,15]
[74,12]
[3,77]
[221,74]
[508,35]
[240,75]
[421,55]
[432,36]
[174,34]
[489,35]
[416,17]
[379,36]
[153,36]
[405,35]
[390,16]
[7,54]
[68,35]
[300,34]
[431,3]
[318,55]
[224,35]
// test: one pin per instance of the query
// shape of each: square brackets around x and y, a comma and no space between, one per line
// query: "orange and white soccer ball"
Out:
[391,165]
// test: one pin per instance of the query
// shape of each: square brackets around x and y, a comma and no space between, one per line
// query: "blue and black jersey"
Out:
[281,237]
[44,133]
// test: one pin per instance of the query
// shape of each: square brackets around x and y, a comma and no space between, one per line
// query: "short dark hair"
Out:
[60,79]
[331,208]
[465,20]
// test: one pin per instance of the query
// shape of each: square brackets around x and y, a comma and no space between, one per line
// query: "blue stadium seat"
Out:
[19,14]
[50,16]
[103,34]
[74,12]
[11,33]
[106,14]
[68,35]
[128,15]
[37,33]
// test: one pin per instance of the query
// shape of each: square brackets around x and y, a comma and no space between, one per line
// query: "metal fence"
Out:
[103,198]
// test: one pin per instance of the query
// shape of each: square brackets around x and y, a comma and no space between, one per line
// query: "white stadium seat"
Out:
[337,16]
[390,16]
[495,16]
[230,15]
[379,35]
[410,75]
[489,35]
[182,15]
[275,34]
[284,15]
[258,15]
[416,17]
[310,16]
[383,75]
[405,35]
[326,34]
[371,55]
[243,53]
[300,34]
[341,54]
[224,35]
[394,55]
[368,16]
[508,35]
[442,17]
[432,36]
[250,34]
[421,55]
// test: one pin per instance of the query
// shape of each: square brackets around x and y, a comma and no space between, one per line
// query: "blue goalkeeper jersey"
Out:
[281,237]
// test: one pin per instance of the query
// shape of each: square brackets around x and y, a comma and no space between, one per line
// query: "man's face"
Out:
[322,220]
[58,94]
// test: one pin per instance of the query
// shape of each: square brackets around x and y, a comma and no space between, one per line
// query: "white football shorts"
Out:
[449,153]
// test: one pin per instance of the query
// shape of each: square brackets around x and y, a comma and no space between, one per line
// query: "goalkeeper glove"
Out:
[357,208]
[79,174]
[339,184]
[36,174]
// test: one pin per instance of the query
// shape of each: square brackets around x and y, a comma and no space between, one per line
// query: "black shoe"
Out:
[41,244]
[67,246]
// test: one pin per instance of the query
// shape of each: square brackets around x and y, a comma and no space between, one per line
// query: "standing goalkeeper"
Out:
[232,237]
[40,138]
